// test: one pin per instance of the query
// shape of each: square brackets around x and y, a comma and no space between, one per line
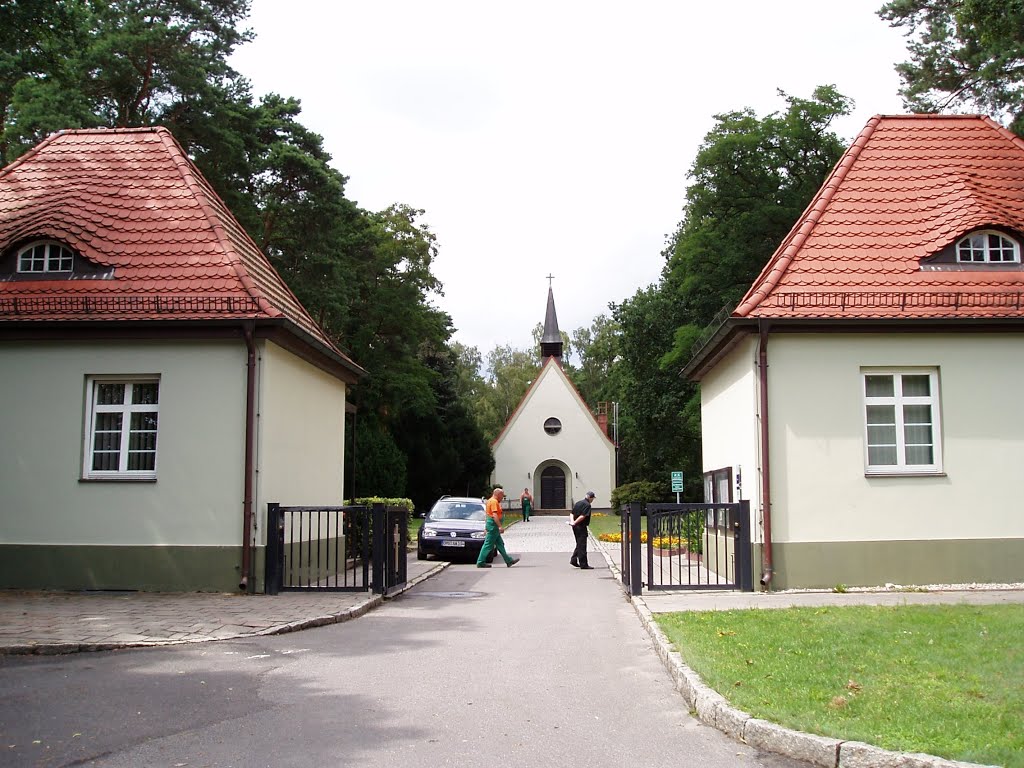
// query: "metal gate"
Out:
[688,546]
[336,549]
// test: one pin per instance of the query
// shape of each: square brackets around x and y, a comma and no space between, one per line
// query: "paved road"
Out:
[537,665]
[540,664]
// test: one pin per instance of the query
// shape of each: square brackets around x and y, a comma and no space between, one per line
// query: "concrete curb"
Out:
[712,709]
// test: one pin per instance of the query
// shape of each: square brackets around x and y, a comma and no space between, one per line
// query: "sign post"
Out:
[677,483]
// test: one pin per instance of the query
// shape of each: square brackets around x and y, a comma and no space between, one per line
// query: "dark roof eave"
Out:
[317,353]
[724,339]
[735,328]
[353,370]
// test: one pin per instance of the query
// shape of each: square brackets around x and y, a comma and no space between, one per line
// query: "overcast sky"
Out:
[550,137]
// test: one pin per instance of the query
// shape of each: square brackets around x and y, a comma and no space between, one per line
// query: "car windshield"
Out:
[458,510]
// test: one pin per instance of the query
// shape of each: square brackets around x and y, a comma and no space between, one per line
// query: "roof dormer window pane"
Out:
[43,258]
[987,248]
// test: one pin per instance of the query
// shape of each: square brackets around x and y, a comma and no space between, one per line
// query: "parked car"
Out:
[454,528]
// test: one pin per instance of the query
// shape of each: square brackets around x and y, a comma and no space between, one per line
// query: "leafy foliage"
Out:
[963,52]
[642,491]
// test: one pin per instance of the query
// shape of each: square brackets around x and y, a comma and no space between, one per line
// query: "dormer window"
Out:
[987,248]
[45,258]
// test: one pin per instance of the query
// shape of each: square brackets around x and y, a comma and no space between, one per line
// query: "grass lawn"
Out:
[944,680]
[603,522]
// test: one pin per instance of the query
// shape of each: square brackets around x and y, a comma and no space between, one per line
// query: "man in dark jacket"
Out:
[580,520]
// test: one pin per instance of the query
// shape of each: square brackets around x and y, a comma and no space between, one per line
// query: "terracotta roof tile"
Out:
[908,187]
[130,200]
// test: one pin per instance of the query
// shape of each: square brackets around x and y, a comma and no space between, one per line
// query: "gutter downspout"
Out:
[766,485]
[250,440]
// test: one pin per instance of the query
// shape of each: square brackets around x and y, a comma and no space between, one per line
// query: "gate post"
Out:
[744,564]
[273,573]
[636,585]
[380,547]
[624,544]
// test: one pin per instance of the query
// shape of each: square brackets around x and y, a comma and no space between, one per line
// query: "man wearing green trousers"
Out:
[493,538]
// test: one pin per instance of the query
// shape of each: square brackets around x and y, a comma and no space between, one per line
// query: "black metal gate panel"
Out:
[688,546]
[335,549]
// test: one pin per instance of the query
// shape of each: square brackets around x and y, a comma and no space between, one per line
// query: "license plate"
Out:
[453,543]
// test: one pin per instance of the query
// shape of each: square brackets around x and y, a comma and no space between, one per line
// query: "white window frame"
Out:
[54,254]
[123,440]
[898,400]
[984,248]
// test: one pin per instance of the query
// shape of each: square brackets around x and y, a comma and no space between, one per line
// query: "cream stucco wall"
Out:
[301,444]
[586,453]
[196,498]
[831,523]
[730,435]
[819,488]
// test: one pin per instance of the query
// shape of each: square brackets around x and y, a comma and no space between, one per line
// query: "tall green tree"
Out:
[597,348]
[963,53]
[509,374]
[114,63]
[367,277]
[654,436]
[752,178]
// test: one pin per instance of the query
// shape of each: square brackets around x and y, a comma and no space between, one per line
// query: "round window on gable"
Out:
[552,426]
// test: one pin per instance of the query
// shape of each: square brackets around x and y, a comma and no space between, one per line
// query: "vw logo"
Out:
[452,534]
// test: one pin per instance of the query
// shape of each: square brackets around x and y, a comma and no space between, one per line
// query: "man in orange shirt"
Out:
[494,530]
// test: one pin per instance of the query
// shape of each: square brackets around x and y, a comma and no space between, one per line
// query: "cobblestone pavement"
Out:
[66,622]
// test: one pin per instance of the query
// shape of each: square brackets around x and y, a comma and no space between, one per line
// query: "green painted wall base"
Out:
[824,565]
[151,569]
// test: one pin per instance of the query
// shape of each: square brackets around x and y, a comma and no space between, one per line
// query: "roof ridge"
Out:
[790,246]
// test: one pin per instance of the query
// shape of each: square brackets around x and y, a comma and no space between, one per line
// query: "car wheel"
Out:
[420,554]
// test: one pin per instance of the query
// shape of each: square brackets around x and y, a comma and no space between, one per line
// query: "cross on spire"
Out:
[550,278]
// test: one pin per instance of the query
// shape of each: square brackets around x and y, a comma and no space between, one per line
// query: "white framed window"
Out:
[45,257]
[987,248]
[121,432]
[901,421]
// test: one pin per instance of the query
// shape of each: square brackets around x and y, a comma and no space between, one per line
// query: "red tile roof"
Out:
[130,200]
[908,187]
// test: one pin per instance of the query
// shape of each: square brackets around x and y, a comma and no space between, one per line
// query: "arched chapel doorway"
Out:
[552,488]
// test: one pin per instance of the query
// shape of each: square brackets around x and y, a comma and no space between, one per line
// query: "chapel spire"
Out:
[551,341]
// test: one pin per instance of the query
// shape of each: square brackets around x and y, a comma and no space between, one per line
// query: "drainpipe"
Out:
[250,440]
[766,485]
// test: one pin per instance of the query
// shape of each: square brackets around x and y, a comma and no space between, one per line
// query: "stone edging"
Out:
[711,708]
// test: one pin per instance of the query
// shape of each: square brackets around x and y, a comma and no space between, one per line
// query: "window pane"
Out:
[921,435]
[105,462]
[145,394]
[919,454]
[882,435]
[141,461]
[916,385]
[108,422]
[876,385]
[881,415]
[59,259]
[109,394]
[917,414]
[882,455]
[142,441]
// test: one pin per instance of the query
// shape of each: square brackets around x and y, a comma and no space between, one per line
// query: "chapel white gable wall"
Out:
[580,444]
